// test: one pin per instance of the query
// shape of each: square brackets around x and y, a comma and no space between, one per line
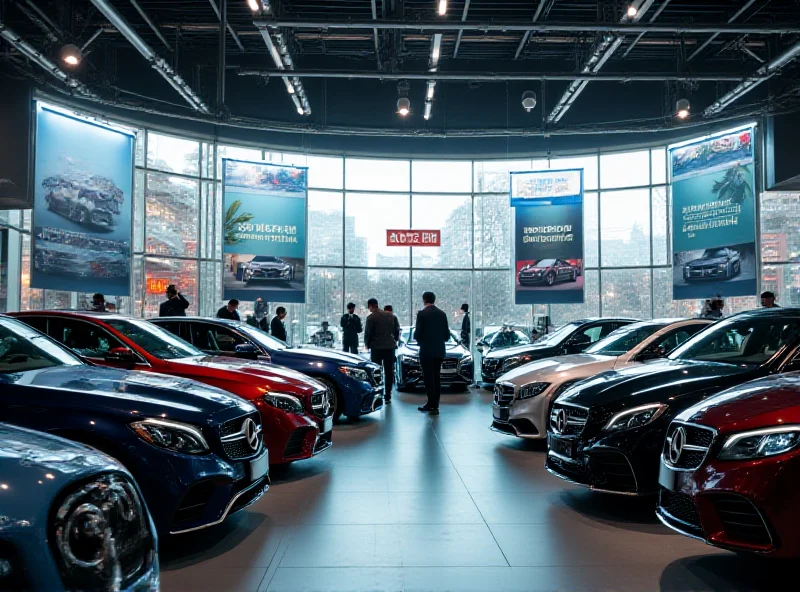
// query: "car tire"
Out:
[550,279]
[338,400]
[574,276]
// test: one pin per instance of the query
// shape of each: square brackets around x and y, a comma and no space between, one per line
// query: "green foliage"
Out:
[232,219]
[734,185]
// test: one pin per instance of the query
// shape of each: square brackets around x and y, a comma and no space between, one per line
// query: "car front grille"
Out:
[491,367]
[296,444]
[690,447]
[321,403]
[194,502]
[503,395]
[575,419]
[741,520]
[680,507]
[234,438]
[450,364]
[611,470]
[376,376]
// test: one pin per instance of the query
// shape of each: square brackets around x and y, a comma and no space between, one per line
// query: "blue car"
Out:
[84,504]
[195,451]
[356,382]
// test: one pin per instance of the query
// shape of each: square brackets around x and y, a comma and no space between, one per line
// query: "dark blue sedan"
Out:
[82,502]
[196,452]
[356,382]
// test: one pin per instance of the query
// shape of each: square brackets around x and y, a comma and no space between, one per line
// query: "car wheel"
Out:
[337,402]
[550,278]
[574,276]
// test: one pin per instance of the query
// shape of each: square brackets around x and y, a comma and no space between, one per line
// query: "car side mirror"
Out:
[247,351]
[120,355]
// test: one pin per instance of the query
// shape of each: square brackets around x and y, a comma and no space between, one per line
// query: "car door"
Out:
[91,342]
[218,340]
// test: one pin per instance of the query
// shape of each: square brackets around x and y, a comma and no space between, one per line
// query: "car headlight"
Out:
[635,418]
[722,265]
[466,360]
[355,373]
[284,402]
[172,435]
[515,361]
[531,390]
[101,536]
[761,443]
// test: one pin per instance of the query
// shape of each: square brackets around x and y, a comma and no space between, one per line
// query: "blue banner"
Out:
[548,241]
[713,216]
[83,206]
[264,209]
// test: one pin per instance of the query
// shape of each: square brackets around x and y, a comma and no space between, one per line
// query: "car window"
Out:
[38,323]
[262,337]
[83,338]
[675,338]
[623,340]
[593,333]
[173,327]
[222,339]
[153,339]
[23,349]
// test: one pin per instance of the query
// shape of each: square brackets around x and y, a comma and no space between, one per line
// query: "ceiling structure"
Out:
[339,66]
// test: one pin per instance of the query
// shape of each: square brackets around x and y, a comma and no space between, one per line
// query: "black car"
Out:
[607,432]
[548,272]
[571,338]
[457,367]
[715,264]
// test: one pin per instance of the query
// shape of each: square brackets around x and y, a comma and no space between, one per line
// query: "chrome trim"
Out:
[592,487]
[241,434]
[668,440]
[675,528]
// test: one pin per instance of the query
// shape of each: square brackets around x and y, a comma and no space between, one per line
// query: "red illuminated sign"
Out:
[413,238]
[157,285]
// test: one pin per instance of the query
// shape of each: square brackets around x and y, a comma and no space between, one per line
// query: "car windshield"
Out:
[743,341]
[264,259]
[715,253]
[624,339]
[546,263]
[23,349]
[262,337]
[154,340]
[408,336]
[509,338]
[558,335]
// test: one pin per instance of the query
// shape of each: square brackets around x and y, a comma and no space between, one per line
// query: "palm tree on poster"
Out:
[734,185]
[232,220]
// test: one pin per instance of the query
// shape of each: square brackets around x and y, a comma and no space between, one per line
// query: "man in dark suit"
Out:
[379,340]
[431,333]
[176,304]
[351,327]
[276,327]
[465,326]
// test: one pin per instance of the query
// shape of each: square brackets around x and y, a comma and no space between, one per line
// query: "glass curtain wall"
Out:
[178,225]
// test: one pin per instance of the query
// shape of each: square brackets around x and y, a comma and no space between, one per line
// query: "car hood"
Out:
[124,391]
[708,261]
[451,351]
[531,348]
[655,382]
[274,377]
[324,354]
[756,404]
[533,268]
[559,369]
[268,265]
[35,467]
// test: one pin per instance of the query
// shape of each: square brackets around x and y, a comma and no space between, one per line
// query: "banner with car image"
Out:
[83,206]
[548,245]
[264,234]
[713,216]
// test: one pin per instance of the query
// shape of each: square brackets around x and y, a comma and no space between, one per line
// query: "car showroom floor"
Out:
[404,501]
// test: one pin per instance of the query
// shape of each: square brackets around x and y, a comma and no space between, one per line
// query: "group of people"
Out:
[714,308]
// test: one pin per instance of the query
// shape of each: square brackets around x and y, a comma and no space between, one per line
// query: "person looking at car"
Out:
[388,308]
[276,327]
[230,311]
[431,333]
[379,340]
[465,325]
[260,313]
[351,327]
[768,300]
[176,304]
[99,303]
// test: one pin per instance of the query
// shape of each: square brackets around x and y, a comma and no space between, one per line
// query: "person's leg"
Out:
[388,372]
[436,382]
[427,377]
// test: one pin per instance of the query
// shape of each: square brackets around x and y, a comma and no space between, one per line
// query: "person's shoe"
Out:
[434,411]
[387,401]
[424,408]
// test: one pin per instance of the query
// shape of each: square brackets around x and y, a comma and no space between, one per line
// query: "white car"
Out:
[524,396]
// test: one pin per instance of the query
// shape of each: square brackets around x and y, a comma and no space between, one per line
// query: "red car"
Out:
[295,409]
[731,466]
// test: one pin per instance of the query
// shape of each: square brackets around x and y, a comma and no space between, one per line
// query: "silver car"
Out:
[524,396]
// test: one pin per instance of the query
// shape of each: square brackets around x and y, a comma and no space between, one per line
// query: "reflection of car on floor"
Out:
[266,267]
[84,504]
[182,441]
[524,396]
[607,432]
[547,272]
[94,201]
[285,398]
[730,467]
[714,264]
[457,369]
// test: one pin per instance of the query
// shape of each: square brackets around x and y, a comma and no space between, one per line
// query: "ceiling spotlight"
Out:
[71,54]
[431,86]
[442,7]
[253,4]
[528,100]
[682,109]
[403,106]
[428,109]
[632,11]
[300,111]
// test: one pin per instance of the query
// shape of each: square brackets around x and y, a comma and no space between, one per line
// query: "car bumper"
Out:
[525,418]
[411,376]
[705,274]
[289,436]
[749,506]
[531,280]
[360,398]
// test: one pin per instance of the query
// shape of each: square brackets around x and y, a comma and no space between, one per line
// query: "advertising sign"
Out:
[157,285]
[83,206]
[548,249]
[713,216]
[413,238]
[547,187]
[264,207]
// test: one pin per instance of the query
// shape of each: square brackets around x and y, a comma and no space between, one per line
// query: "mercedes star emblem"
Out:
[250,431]
[561,421]
[676,445]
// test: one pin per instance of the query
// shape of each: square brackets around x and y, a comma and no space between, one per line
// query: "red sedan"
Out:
[295,409]
[731,466]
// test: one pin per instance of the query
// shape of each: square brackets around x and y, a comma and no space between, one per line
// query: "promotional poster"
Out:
[264,240]
[548,251]
[547,187]
[713,216]
[83,206]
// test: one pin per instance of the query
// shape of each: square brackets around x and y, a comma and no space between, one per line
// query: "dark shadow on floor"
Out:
[637,514]
[729,571]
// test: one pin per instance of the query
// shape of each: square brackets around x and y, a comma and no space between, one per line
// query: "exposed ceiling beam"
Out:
[461,31]
[38,18]
[279,51]
[151,24]
[653,17]
[375,35]
[526,37]
[233,33]
[711,39]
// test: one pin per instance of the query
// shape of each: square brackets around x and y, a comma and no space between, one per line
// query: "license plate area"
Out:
[500,413]
[259,467]
[672,480]
[561,446]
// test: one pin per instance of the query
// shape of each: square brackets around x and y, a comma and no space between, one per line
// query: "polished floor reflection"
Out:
[407,502]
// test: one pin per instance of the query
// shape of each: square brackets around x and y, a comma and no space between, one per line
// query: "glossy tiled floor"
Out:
[407,502]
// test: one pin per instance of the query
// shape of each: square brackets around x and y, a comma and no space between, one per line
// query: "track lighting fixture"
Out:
[253,4]
[442,7]
[71,55]
[528,100]
[632,11]
[403,106]
[682,109]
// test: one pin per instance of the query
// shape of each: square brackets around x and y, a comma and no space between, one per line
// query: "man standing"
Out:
[176,304]
[379,339]
[466,326]
[768,300]
[351,327]
[99,303]
[388,308]
[431,333]
[260,313]
[276,327]
[229,311]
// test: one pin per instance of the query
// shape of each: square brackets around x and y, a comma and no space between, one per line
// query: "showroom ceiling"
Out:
[589,63]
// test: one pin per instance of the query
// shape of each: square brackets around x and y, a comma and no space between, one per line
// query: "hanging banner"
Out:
[713,216]
[264,207]
[548,239]
[83,206]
